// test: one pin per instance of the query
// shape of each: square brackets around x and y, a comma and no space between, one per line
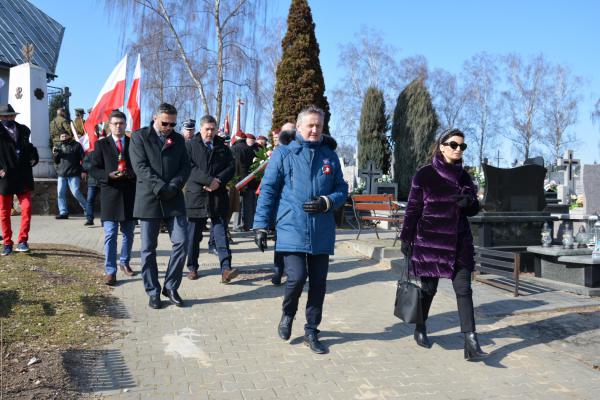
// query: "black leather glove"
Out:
[463,200]
[315,205]
[406,249]
[260,238]
[168,192]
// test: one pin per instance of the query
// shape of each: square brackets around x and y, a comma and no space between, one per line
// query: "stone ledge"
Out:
[583,260]
[557,251]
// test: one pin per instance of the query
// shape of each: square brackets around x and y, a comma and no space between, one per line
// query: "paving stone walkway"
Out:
[224,345]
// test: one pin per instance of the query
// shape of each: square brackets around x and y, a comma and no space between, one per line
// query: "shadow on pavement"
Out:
[97,370]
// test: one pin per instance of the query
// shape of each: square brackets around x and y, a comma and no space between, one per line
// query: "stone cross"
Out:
[370,174]
[570,163]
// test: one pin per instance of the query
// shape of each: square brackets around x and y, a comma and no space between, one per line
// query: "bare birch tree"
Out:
[480,75]
[449,98]
[214,41]
[524,100]
[561,109]
[366,61]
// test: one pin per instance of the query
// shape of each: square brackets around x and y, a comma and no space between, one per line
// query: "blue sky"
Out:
[445,32]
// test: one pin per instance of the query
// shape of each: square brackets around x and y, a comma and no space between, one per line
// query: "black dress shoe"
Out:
[422,339]
[154,302]
[312,341]
[173,297]
[473,351]
[285,327]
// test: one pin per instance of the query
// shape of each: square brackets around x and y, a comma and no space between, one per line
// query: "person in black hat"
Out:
[17,159]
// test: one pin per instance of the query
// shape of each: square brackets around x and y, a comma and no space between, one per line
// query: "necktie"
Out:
[119,146]
[209,145]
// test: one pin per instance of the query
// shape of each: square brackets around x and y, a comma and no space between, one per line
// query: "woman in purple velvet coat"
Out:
[436,235]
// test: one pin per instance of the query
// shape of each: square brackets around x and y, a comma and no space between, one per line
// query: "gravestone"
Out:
[386,188]
[569,184]
[519,189]
[370,174]
[590,177]
[513,207]
[534,161]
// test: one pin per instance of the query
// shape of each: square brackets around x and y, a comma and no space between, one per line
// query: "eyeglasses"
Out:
[117,123]
[171,124]
[453,145]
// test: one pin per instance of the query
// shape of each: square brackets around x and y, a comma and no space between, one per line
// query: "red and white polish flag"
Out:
[133,103]
[111,97]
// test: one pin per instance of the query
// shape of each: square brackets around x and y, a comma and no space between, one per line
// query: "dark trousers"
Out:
[299,266]
[218,231]
[248,208]
[92,192]
[278,263]
[149,229]
[461,282]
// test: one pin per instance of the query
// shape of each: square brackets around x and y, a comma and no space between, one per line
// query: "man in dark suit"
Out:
[162,166]
[111,166]
[17,158]
[206,195]
[244,157]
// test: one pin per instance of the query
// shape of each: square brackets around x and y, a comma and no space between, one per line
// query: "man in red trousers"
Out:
[17,158]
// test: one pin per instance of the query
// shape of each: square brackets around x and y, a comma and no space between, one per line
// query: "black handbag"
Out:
[408,298]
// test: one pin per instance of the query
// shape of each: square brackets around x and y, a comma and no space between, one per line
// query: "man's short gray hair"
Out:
[208,119]
[310,110]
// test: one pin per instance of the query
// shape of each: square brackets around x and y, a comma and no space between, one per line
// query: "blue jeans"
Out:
[219,233]
[299,266]
[150,227]
[92,192]
[111,231]
[73,183]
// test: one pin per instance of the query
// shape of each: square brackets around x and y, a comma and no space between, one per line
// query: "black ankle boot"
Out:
[420,336]
[472,349]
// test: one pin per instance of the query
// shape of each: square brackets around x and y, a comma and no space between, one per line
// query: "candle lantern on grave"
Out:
[582,238]
[596,235]
[591,221]
[546,235]
[568,240]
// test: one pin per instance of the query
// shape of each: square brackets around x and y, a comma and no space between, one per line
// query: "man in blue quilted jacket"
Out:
[305,178]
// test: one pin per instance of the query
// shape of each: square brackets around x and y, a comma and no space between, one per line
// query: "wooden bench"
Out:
[379,207]
[504,261]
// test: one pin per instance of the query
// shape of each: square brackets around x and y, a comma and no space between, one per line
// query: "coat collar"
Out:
[450,172]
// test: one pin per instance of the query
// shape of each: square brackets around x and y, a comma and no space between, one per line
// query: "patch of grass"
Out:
[43,298]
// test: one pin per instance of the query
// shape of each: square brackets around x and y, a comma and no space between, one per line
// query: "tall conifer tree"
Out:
[372,141]
[299,76]
[413,131]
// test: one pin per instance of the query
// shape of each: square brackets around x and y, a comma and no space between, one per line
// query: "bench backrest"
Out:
[379,202]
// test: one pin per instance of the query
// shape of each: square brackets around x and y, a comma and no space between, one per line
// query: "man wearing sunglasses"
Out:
[161,164]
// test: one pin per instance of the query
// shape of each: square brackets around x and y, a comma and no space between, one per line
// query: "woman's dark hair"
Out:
[445,135]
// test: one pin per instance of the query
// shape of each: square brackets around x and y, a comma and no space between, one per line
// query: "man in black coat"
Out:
[17,158]
[206,195]
[68,157]
[111,167]
[244,156]
[161,164]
